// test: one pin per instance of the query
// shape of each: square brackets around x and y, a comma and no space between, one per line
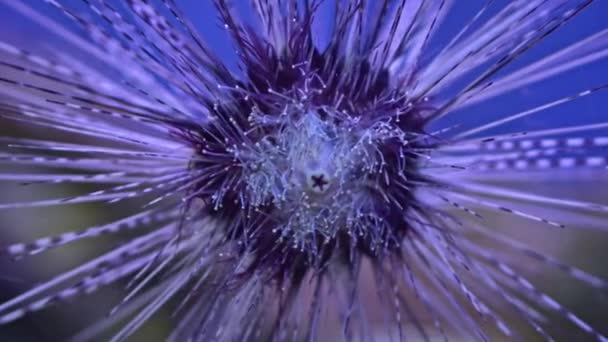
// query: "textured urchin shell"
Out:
[313,185]
[316,149]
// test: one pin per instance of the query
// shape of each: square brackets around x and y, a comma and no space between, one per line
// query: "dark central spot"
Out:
[318,181]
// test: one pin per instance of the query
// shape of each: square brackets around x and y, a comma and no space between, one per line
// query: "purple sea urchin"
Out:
[263,194]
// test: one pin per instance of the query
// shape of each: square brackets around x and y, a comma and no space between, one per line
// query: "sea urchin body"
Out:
[267,195]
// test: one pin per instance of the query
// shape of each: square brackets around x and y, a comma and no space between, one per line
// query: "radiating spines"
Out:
[507,35]
[105,263]
[539,296]
[139,220]
[156,72]
[313,160]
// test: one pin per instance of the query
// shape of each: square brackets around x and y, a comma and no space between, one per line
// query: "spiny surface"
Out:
[318,186]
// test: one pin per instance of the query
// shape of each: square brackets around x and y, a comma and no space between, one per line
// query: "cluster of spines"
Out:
[421,249]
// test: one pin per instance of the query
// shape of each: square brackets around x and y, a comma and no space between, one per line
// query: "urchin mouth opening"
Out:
[318,181]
